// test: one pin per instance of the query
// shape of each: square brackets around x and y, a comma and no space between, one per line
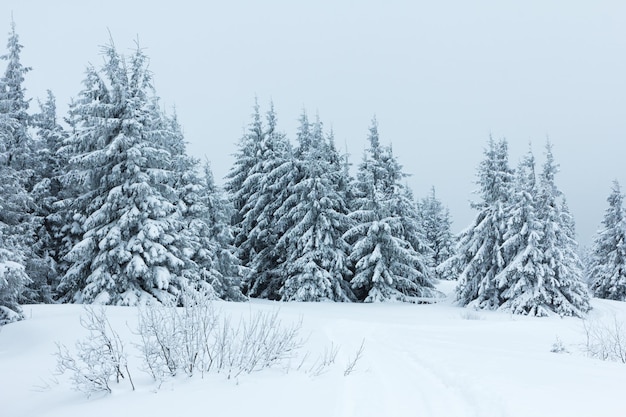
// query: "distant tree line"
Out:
[108,207]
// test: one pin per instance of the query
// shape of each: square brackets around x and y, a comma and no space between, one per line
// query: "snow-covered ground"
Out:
[418,360]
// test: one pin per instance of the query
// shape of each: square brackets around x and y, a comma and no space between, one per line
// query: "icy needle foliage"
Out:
[607,269]
[520,255]
[17,223]
[386,264]
[314,218]
[131,248]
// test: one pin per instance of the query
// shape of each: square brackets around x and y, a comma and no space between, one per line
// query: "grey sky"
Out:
[439,76]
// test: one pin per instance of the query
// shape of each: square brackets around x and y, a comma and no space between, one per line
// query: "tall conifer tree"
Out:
[607,269]
[16,204]
[480,256]
[313,219]
[386,265]
[435,224]
[43,267]
[206,219]
[14,108]
[258,182]
[131,251]
[521,282]
[562,290]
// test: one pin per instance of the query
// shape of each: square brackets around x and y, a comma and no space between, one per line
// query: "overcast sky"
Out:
[440,76]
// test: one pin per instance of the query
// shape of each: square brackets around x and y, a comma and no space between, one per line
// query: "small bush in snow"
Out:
[605,341]
[99,358]
[351,366]
[323,361]
[558,346]
[197,338]
[189,340]
[471,315]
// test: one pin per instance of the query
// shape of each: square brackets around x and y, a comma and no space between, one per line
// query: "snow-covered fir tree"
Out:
[259,181]
[407,209]
[386,265]
[67,214]
[13,279]
[17,223]
[206,216]
[313,219]
[562,291]
[131,249]
[276,170]
[14,108]
[520,254]
[249,147]
[479,255]
[607,263]
[521,282]
[47,192]
[242,182]
[436,226]
[225,264]
[14,227]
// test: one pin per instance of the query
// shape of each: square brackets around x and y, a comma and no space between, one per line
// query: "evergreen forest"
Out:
[103,205]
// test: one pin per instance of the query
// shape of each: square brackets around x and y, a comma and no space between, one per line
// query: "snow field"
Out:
[418,360]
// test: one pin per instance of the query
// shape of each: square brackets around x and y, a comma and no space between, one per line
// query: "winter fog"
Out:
[441,77]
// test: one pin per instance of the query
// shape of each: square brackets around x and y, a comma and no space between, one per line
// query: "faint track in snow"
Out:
[404,382]
[440,391]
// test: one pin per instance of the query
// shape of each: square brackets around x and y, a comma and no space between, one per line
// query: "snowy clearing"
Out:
[418,360]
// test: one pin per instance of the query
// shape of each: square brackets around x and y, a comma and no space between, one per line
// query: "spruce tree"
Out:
[386,265]
[277,169]
[407,209]
[242,182]
[313,219]
[17,223]
[562,290]
[258,182]
[14,205]
[206,217]
[227,266]
[47,192]
[131,250]
[13,279]
[68,211]
[436,225]
[521,281]
[14,107]
[245,159]
[480,256]
[520,255]
[607,269]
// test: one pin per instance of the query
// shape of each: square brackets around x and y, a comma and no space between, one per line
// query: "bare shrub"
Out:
[605,341]
[197,338]
[324,361]
[188,340]
[262,341]
[177,339]
[158,341]
[351,366]
[99,358]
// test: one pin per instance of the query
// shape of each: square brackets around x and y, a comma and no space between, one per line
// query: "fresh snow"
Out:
[419,360]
